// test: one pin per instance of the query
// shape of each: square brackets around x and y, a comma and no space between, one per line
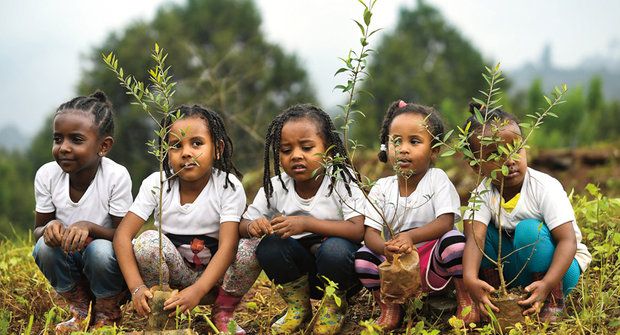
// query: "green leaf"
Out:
[505,170]
[448,153]
[367,16]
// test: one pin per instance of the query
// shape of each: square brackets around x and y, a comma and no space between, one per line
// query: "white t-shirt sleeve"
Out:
[445,199]
[120,195]
[376,197]
[233,202]
[43,191]
[555,206]
[146,200]
[482,205]
[259,208]
[352,205]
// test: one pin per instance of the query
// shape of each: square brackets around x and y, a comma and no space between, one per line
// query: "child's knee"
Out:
[336,250]
[99,256]
[44,254]
[146,245]
[530,231]
[270,249]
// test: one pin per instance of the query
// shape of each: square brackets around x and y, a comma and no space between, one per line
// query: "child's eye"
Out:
[174,146]
[415,141]
[197,143]
[57,139]
[306,148]
[285,150]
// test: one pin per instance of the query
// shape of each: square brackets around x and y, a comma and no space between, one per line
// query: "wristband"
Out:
[135,290]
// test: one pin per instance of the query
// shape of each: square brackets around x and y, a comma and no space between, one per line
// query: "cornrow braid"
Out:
[218,132]
[431,116]
[96,104]
[328,133]
[496,114]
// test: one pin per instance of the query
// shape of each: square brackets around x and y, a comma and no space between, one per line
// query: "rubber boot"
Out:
[78,299]
[223,311]
[107,311]
[391,314]
[554,303]
[296,294]
[331,316]
[464,300]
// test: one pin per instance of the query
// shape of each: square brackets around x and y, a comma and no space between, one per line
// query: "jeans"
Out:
[96,264]
[526,236]
[285,260]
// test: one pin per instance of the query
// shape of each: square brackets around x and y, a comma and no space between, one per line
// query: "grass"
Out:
[27,301]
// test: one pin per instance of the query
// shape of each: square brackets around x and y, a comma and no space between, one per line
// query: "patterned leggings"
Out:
[445,262]
[244,270]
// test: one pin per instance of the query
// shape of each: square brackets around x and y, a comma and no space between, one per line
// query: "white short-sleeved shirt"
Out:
[336,206]
[108,194]
[435,195]
[542,198]
[213,206]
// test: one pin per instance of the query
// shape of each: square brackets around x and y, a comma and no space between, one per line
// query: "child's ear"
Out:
[434,154]
[105,146]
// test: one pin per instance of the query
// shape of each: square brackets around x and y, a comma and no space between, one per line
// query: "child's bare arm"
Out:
[189,297]
[433,230]
[126,231]
[254,228]
[351,229]
[374,241]
[475,236]
[565,249]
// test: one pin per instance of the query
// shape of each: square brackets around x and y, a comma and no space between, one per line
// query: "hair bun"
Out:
[473,106]
[101,97]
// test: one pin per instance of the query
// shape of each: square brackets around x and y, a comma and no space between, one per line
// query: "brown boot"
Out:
[78,299]
[391,314]
[464,300]
[554,303]
[107,311]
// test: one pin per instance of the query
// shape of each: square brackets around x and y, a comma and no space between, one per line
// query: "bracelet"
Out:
[135,290]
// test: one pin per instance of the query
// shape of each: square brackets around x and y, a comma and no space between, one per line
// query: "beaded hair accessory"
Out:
[383,147]
[402,104]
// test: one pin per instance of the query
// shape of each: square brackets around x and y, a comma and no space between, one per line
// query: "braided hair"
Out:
[328,133]
[96,104]
[433,122]
[218,135]
[494,115]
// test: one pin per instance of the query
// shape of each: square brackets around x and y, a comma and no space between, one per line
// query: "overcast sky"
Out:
[42,42]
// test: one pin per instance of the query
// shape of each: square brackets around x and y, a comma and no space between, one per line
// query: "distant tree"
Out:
[219,57]
[16,195]
[424,60]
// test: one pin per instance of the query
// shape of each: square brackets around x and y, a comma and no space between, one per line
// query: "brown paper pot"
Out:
[158,319]
[510,312]
[400,278]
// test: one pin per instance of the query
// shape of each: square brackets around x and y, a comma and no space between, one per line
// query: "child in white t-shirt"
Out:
[310,223]
[535,213]
[80,200]
[420,205]
[202,205]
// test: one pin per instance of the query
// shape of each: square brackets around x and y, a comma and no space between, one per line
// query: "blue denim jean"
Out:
[96,264]
[528,234]
[285,260]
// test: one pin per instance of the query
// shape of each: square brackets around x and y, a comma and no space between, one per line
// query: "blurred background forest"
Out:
[221,58]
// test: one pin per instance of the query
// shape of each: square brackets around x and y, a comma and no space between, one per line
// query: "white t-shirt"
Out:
[108,194]
[435,195]
[213,206]
[542,198]
[338,206]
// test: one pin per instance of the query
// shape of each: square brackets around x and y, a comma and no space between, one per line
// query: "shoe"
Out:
[78,299]
[464,300]
[107,311]
[296,294]
[554,303]
[223,311]
[391,314]
[331,316]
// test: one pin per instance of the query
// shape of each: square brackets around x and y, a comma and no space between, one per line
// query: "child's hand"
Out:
[185,300]
[401,244]
[479,291]
[140,301]
[53,233]
[538,290]
[75,237]
[259,227]
[287,226]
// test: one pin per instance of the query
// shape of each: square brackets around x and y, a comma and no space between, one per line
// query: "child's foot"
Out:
[296,294]
[331,317]
[78,300]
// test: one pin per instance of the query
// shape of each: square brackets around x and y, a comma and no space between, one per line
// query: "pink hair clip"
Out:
[402,104]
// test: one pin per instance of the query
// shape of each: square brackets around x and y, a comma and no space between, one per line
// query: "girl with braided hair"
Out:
[202,205]
[310,220]
[80,200]
[421,205]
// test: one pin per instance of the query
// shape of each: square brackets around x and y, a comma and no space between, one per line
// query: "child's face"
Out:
[300,143]
[509,134]
[410,144]
[76,144]
[191,152]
